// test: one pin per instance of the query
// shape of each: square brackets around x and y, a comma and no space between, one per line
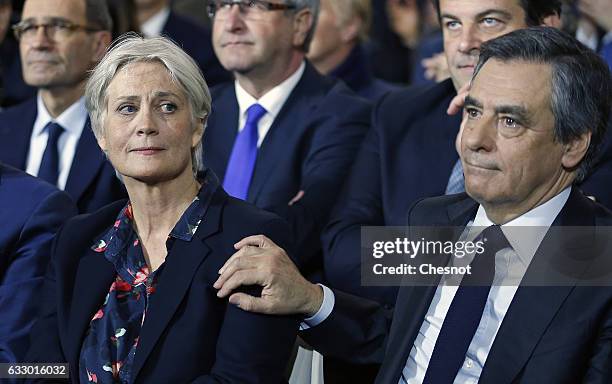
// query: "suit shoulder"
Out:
[22,111]
[420,98]
[221,91]
[250,216]
[25,187]
[93,224]
[433,210]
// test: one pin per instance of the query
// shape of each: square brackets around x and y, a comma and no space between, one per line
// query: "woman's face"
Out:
[147,133]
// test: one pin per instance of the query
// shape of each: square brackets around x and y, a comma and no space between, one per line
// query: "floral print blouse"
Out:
[111,342]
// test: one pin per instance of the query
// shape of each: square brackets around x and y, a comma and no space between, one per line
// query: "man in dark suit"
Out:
[281,136]
[537,109]
[410,151]
[50,136]
[338,48]
[157,18]
[31,212]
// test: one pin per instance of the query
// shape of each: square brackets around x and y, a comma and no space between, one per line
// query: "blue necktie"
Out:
[49,166]
[456,183]
[244,154]
[606,53]
[465,312]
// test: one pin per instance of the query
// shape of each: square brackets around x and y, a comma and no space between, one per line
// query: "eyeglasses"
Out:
[249,9]
[55,29]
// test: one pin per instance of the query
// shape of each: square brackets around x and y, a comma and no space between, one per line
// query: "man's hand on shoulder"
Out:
[258,261]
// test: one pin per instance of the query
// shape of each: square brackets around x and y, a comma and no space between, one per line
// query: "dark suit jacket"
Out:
[196,40]
[31,211]
[189,335]
[408,154]
[309,147]
[550,334]
[92,182]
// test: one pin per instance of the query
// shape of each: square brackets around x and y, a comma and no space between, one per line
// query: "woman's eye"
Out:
[168,107]
[126,109]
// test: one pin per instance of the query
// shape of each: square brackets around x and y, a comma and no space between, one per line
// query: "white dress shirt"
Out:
[510,266]
[72,120]
[272,102]
[156,23]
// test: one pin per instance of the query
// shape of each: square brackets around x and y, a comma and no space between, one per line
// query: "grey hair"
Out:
[581,84]
[313,6]
[132,48]
[98,14]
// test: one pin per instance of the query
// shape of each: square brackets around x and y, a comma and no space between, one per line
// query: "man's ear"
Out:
[575,151]
[101,43]
[301,26]
[350,31]
[553,20]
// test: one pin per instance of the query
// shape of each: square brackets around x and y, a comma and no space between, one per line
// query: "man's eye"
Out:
[490,22]
[472,113]
[126,109]
[168,107]
[452,25]
[509,122]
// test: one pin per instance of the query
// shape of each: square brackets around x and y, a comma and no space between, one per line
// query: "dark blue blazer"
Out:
[92,182]
[556,335]
[407,155]
[31,212]
[309,147]
[356,73]
[196,40]
[189,335]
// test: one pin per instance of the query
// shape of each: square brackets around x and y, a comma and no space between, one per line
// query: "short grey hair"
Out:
[132,48]
[581,84]
[313,6]
[98,15]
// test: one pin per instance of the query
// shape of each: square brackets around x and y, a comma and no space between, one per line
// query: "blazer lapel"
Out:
[15,135]
[533,308]
[88,159]
[271,152]
[182,263]
[93,279]
[413,301]
[219,137]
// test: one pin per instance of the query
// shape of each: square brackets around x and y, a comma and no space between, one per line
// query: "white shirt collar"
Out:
[156,23]
[526,242]
[274,99]
[72,119]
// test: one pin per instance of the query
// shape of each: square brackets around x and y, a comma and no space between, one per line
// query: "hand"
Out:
[258,261]
[457,103]
[404,20]
[598,10]
[436,67]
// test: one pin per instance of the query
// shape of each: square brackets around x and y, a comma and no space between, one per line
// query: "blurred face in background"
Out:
[466,24]
[5,18]
[58,57]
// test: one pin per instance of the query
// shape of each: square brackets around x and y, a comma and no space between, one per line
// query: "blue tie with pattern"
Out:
[49,166]
[244,154]
[456,183]
[465,311]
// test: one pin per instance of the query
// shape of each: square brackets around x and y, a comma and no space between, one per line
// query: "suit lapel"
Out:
[181,264]
[221,134]
[94,277]
[297,108]
[533,308]
[88,159]
[413,301]
[15,135]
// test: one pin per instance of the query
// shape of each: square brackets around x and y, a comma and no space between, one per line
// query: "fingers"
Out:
[296,198]
[241,278]
[249,303]
[260,241]
[458,101]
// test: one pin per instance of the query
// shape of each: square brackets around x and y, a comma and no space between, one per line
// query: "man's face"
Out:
[64,60]
[510,158]
[466,24]
[256,43]
[328,34]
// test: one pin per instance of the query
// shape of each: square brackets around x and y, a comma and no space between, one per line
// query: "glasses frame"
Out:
[18,28]
[211,7]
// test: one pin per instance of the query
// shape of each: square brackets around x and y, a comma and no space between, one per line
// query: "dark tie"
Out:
[465,311]
[49,166]
[244,154]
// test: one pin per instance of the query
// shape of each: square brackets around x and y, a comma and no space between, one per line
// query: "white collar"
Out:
[156,23]
[72,119]
[525,242]
[274,99]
